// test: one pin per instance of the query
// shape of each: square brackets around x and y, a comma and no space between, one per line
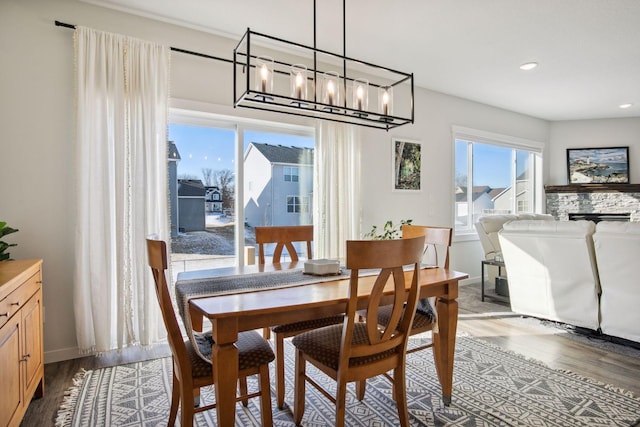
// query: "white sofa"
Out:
[617,248]
[488,227]
[552,270]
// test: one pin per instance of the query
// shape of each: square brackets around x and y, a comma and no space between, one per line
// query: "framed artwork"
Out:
[598,165]
[407,164]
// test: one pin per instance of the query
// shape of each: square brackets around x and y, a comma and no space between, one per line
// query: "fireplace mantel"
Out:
[593,188]
[563,200]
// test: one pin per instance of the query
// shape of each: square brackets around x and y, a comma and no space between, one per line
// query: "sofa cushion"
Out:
[617,246]
[488,227]
[571,228]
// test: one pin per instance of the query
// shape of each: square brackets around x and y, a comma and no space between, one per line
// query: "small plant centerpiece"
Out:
[4,230]
[389,231]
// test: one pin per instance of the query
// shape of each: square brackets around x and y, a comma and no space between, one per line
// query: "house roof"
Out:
[190,187]
[174,154]
[284,154]
[478,190]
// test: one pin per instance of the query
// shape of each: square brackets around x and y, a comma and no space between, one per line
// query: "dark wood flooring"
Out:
[556,350]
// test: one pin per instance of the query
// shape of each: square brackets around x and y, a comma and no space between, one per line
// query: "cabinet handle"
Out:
[26,357]
[4,314]
[15,303]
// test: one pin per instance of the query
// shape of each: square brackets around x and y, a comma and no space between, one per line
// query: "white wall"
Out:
[37,174]
[593,133]
[435,115]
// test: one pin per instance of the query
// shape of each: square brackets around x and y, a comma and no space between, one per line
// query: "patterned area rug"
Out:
[492,387]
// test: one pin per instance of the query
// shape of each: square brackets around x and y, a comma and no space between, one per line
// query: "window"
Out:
[291,174]
[298,204]
[494,174]
[224,174]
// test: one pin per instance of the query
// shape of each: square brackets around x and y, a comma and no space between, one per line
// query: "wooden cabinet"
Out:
[21,348]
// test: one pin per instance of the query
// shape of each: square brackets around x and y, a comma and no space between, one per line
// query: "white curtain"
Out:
[337,206]
[122,102]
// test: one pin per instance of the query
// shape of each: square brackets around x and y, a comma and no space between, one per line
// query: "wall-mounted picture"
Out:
[407,163]
[598,165]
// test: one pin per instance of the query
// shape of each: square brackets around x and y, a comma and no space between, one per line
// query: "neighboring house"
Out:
[279,185]
[191,199]
[213,199]
[174,158]
[480,198]
[503,202]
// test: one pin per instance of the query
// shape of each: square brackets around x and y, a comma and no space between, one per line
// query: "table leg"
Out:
[225,369]
[482,281]
[444,341]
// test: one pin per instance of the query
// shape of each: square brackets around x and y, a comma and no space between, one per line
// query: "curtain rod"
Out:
[174,49]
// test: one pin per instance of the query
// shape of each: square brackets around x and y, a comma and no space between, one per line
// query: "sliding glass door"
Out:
[227,177]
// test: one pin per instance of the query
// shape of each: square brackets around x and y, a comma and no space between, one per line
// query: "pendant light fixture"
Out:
[318,83]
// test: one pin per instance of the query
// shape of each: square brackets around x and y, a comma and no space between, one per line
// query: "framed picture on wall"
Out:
[406,156]
[598,165]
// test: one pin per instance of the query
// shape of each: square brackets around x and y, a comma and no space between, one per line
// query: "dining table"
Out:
[244,298]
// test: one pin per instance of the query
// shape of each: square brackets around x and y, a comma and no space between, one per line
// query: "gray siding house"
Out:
[191,215]
[278,185]
[174,158]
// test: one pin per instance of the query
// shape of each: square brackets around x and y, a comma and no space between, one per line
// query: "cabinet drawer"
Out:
[16,299]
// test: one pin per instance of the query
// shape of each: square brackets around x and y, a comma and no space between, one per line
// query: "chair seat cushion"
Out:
[420,320]
[308,324]
[324,344]
[253,350]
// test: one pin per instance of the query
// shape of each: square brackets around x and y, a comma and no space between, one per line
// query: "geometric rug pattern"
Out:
[492,387]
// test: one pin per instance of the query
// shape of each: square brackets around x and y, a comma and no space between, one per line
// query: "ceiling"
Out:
[588,51]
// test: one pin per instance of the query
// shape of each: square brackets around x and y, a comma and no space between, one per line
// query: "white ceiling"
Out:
[588,50]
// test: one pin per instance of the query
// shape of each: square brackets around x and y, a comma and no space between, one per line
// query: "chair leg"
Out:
[341,396]
[175,400]
[266,333]
[242,384]
[299,388]
[400,389]
[186,409]
[278,339]
[265,396]
[361,387]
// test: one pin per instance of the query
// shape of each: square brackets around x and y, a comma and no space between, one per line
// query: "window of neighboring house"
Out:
[494,174]
[291,174]
[298,204]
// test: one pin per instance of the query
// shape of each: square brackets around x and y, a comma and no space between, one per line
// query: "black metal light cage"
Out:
[318,62]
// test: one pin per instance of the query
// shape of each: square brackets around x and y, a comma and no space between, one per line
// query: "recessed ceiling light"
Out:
[625,105]
[528,66]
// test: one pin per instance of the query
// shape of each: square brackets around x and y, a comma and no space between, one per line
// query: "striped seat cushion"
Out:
[308,324]
[324,344]
[253,350]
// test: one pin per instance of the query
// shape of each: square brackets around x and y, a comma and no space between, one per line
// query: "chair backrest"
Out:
[283,237]
[434,237]
[157,255]
[390,256]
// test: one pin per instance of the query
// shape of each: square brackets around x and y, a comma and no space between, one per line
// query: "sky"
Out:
[491,164]
[204,147]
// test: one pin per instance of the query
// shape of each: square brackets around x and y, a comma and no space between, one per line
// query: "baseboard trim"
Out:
[60,355]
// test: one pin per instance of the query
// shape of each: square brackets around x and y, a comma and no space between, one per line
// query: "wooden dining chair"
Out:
[355,351]
[285,237]
[190,371]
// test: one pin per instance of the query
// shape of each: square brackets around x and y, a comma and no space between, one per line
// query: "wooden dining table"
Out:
[231,313]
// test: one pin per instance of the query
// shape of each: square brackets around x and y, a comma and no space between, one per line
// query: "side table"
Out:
[500,265]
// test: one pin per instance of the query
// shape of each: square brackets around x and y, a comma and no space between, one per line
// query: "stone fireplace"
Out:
[585,201]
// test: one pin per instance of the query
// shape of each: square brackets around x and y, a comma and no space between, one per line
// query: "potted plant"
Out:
[4,230]
[388,232]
